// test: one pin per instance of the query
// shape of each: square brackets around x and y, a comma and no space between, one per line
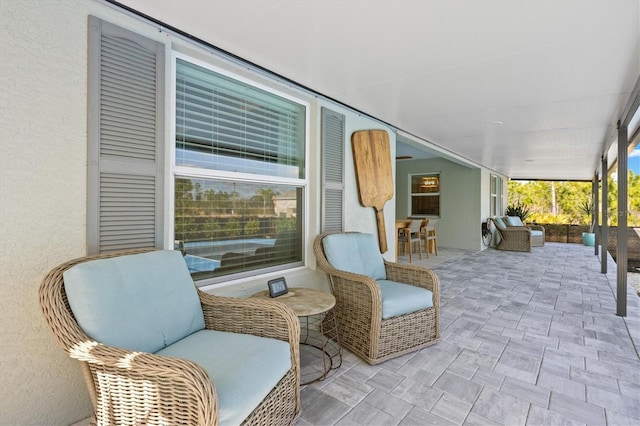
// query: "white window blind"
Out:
[224,124]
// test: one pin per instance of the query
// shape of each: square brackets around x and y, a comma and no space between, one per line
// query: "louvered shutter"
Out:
[125,139]
[332,137]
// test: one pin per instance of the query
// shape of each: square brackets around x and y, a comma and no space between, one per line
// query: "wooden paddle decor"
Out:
[372,158]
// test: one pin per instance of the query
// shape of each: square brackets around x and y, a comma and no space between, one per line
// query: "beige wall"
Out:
[461,200]
[43,101]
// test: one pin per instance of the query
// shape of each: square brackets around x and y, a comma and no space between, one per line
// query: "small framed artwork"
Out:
[277,287]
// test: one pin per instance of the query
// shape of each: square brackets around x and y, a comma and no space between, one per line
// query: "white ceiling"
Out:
[530,89]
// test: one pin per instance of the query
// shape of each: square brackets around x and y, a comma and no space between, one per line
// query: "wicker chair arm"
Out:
[359,292]
[413,275]
[536,227]
[264,318]
[143,378]
[359,283]
[515,230]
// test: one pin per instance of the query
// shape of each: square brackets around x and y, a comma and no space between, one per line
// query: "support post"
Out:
[622,254]
[604,230]
[594,210]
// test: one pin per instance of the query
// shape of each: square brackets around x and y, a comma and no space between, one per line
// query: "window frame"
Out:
[495,195]
[430,194]
[175,171]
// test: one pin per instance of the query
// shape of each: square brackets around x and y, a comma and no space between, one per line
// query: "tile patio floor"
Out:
[526,339]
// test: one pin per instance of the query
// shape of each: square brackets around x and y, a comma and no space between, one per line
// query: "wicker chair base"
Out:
[398,336]
[512,245]
[272,410]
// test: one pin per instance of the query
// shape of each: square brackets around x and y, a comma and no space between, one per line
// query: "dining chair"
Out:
[430,236]
[410,236]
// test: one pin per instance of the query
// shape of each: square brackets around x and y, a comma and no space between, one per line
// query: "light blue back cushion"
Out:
[355,252]
[399,299]
[499,222]
[514,221]
[141,302]
[244,368]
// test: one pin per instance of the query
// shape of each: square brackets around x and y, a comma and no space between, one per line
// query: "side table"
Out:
[320,350]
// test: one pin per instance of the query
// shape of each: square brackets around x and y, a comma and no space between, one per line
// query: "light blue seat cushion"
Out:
[514,221]
[536,233]
[399,299]
[244,368]
[140,302]
[355,252]
[499,222]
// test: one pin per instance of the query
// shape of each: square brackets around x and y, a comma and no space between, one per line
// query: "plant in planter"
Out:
[588,238]
[518,209]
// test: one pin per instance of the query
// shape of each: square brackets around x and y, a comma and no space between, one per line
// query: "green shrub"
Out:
[518,209]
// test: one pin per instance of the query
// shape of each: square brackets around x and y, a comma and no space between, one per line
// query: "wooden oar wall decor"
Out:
[372,158]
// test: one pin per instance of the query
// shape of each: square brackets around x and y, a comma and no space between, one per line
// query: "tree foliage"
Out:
[569,202]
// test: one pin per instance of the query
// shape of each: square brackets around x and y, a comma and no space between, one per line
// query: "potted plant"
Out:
[518,209]
[588,238]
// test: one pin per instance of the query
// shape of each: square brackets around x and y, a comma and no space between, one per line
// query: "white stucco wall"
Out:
[43,138]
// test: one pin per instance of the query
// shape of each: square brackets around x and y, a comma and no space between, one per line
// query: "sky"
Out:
[634,161]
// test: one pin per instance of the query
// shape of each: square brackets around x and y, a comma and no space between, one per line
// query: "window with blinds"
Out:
[240,176]
[425,194]
[224,124]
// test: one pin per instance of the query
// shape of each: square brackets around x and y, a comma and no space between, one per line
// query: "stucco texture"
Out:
[43,66]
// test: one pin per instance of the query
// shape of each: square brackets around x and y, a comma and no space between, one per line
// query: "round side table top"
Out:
[304,301]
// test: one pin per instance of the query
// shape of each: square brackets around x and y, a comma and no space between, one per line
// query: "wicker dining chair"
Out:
[133,387]
[359,306]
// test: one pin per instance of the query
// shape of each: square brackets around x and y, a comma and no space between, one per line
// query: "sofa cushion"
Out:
[140,302]
[399,299]
[514,221]
[499,223]
[355,252]
[536,233]
[244,368]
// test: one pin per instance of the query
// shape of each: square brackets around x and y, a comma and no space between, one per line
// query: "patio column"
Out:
[622,255]
[604,229]
[594,212]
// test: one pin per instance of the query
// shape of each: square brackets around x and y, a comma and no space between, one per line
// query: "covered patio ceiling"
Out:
[529,89]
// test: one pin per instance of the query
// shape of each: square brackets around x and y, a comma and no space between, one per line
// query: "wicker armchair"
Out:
[132,387]
[518,238]
[358,309]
